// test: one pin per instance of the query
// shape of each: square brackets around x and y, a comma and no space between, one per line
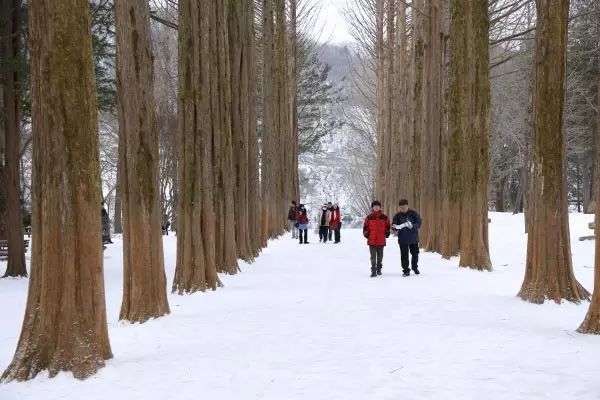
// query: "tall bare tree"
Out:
[10,48]
[144,280]
[549,266]
[591,323]
[196,259]
[65,327]
[465,224]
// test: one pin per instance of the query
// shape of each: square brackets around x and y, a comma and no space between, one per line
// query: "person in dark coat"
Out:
[105,226]
[407,223]
[302,222]
[324,217]
[292,219]
[376,229]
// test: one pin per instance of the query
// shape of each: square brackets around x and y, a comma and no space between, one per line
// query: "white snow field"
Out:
[307,322]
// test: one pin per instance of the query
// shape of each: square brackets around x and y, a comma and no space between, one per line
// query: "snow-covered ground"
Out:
[306,322]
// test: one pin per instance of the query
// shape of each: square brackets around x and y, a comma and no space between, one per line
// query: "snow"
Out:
[306,322]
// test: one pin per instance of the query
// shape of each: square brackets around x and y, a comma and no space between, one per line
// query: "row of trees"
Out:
[218,164]
[431,64]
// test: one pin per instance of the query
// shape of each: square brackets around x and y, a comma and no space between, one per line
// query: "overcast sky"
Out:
[331,19]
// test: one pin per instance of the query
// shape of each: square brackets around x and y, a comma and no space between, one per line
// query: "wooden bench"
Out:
[4,248]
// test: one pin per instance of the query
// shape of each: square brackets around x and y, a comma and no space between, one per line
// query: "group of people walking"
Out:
[377,228]
[329,222]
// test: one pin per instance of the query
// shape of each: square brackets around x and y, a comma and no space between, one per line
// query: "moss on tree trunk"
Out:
[64,328]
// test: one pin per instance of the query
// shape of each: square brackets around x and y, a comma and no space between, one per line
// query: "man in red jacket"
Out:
[376,229]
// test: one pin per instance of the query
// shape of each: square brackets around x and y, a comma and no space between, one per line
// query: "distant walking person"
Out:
[166,225]
[324,224]
[407,223]
[105,226]
[292,219]
[335,222]
[376,229]
[302,221]
[330,232]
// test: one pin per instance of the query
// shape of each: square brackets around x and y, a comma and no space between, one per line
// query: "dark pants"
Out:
[330,234]
[376,257]
[323,233]
[413,249]
[305,233]
[337,235]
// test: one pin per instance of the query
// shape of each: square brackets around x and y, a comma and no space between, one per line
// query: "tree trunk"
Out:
[240,123]
[118,222]
[468,159]
[11,42]
[549,269]
[65,327]
[431,150]
[591,323]
[196,259]
[144,280]
[254,203]
[226,252]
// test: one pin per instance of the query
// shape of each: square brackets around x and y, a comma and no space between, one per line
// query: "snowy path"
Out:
[306,322]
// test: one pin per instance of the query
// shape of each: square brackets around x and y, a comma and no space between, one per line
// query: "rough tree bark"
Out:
[240,122]
[431,150]
[549,268]
[11,42]
[591,323]
[254,203]
[64,328]
[226,252]
[196,262]
[144,280]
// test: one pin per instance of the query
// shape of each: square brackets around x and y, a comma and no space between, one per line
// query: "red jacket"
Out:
[376,228]
[302,218]
[335,219]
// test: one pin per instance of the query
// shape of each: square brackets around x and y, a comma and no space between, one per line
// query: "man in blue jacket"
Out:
[407,223]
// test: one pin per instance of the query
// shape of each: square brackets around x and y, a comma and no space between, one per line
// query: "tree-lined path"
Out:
[306,322]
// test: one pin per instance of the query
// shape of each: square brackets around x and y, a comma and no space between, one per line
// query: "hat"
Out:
[376,203]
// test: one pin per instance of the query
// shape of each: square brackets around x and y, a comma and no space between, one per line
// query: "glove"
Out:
[409,224]
[366,234]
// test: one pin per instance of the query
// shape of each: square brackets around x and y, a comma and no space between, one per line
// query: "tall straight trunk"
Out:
[118,221]
[549,268]
[591,323]
[457,106]
[240,123]
[293,84]
[431,150]
[11,42]
[254,203]
[402,136]
[65,327]
[226,252]
[285,172]
[196,259]
[419,117]
[380,97]
[144,280]
[468,141]
[269,160]
[474,243]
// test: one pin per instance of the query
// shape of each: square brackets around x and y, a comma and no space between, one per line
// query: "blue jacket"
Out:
[408,236]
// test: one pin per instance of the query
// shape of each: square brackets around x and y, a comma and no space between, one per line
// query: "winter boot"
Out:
[406,273]
[416,271]
[379,271]
[373,272]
